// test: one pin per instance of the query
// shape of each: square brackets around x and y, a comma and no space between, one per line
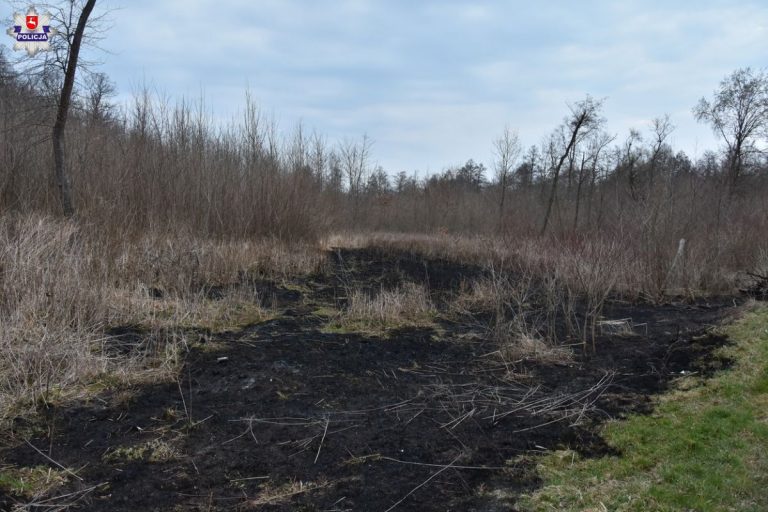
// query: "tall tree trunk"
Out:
[591,194]
[574,134]
[578,192]
[501,203]
[59,156]
[735,168]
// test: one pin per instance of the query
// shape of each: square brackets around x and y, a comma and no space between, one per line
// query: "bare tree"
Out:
[632,154]
[62,112]
[590,158]
[525,174]
[100,90]
[585,117]
[355,162]
[298,149]
[739,115]
[661,127]
[318,158]
[600,160]
[354,158]
[507,150]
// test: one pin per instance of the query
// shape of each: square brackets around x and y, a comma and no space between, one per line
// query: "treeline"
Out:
[156,165]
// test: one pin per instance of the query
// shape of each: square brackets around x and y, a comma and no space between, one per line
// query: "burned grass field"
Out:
[389,381]
[201,312]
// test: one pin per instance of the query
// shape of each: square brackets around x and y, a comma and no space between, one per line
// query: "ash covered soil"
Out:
[299,418]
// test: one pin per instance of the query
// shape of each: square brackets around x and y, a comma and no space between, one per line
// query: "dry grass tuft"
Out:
[31,482]
[235,308]
[482,295]
[154,451]
[271,495]
[408,305]
[516,346]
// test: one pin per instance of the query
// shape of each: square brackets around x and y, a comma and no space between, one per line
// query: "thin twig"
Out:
[486,468]
[53,461]
[83,492]
[422,484]
[250,478]
[327,421]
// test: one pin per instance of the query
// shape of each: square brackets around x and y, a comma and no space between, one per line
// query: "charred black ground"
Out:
[296,418]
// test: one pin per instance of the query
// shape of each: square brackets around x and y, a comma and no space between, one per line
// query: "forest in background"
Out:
[163,167]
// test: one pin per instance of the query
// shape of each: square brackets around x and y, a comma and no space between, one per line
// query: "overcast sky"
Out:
[432,82]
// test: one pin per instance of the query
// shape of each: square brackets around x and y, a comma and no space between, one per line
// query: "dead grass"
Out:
[406,306]
[475,249]
[481,295]
[538,281]
[275,495]
[62,285]
[154,451]
[526,311]
[235,308]
[516,346]
[588,263]
[34,482]
[51,312]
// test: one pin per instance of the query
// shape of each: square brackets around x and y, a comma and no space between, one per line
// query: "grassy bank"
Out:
[705,448]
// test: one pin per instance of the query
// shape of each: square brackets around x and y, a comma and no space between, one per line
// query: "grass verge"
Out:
[705,448]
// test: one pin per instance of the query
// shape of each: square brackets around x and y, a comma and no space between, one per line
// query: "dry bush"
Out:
[526,311]
[404,306]
[547,286]
[591,268]
[721,234]
[708,264]
[555,278]
[158,168]
[549,283]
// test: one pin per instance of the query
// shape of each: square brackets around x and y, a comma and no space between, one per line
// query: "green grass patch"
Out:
[325,312]
[28,482]
[705,447]
[220,316]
